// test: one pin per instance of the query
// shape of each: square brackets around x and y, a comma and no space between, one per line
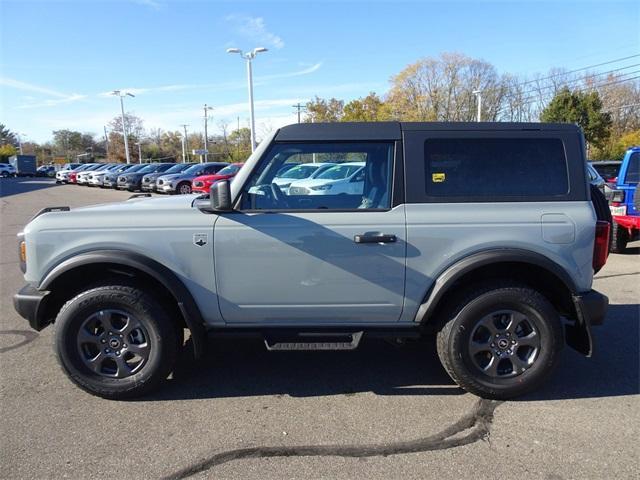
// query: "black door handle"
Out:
[374,238]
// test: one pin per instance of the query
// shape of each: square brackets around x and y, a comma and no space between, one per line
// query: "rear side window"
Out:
[633,170]
[495,167]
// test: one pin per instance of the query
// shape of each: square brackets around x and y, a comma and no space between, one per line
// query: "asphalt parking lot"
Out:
[382,411]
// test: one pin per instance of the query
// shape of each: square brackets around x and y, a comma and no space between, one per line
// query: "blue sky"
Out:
[59,58]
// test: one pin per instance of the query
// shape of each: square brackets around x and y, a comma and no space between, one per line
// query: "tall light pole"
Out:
[185,154]
[19,135]
[139,144]
[206,139]
[121,94]
[249,56]
[478,94]
[184,150]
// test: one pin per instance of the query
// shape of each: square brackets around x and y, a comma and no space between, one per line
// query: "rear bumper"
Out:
[591,307]
[631,222]
[30,304]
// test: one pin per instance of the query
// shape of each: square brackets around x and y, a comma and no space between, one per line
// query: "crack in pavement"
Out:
[478,421]
[616,275]
[28,335]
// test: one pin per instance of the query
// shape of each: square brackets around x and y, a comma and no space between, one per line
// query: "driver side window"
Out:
[321,176]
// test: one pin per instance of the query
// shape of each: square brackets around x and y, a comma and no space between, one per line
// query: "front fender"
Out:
[165,276]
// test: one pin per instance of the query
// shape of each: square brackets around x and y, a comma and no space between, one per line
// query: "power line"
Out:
[583,89]
[536,91]
[578,70]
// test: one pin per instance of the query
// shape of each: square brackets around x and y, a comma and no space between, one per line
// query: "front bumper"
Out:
[166,188]
[148,187]
[30,303]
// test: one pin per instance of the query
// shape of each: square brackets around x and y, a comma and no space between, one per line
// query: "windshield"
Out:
[194,169]
[301,171]
[230,170]
[148,169]
[136,168]
[339,172]
[95,167]
[178,168]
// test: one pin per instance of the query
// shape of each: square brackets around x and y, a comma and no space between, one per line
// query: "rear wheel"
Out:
[500,341]
[115,341]
[619,238]
[184,188]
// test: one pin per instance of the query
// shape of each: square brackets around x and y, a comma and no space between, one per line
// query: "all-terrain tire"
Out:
[160,332]
[619,239]
[464,313]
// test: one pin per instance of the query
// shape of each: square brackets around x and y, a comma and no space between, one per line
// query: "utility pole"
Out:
[19,135]
[478,94]
[122,94]
[185,154]
[206,139]
[299,108]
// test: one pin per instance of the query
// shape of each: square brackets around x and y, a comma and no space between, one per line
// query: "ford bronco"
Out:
[482,233]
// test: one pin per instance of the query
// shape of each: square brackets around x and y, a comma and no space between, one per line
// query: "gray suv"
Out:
[181,182]
[451,232]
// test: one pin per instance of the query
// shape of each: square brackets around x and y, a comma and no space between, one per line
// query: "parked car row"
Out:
[148,177]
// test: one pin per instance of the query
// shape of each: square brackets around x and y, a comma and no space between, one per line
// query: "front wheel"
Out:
[184,188]
[500,341]
[115,341]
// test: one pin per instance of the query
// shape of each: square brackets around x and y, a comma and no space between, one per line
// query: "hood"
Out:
[170,176]
[153,176]
[135,214]
[312,182]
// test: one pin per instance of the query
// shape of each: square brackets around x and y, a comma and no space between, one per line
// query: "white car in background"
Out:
[96,178]
[7,170]
[345,177]
[83,177]
[300,172]
[62,175]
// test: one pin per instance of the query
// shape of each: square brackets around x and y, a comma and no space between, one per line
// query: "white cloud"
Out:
[255,28]
[259,80]
[149,3]
[59,97]
[29,87]
[53,102]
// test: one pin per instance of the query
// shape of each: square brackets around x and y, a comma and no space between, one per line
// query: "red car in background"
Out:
[203,183]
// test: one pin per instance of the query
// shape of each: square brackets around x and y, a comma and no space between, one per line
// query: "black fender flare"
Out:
[454,272]
[162,274]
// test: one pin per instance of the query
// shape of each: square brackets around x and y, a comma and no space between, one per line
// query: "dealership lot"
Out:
[382,411]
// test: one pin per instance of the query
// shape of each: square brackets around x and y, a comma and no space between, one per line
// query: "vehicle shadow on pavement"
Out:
[614,368]
[243,367]
[16,186]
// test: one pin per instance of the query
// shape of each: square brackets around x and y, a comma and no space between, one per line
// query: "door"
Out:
[314,258]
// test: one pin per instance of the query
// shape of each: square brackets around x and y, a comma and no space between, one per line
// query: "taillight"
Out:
[601,244]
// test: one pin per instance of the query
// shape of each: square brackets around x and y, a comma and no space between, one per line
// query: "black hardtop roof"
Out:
[300,132]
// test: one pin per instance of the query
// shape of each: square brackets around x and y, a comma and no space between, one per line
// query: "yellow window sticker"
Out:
[438,177]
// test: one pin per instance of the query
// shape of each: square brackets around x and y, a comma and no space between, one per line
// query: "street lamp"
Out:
[206,118]
[478,94]
[184,149]
[249,56]
[121,94]
[185,153]
[19,135]
[139,144]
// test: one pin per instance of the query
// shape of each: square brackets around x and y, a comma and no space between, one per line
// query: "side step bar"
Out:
[313,341]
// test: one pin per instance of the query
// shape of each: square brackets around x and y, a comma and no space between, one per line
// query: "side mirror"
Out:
[220,196]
